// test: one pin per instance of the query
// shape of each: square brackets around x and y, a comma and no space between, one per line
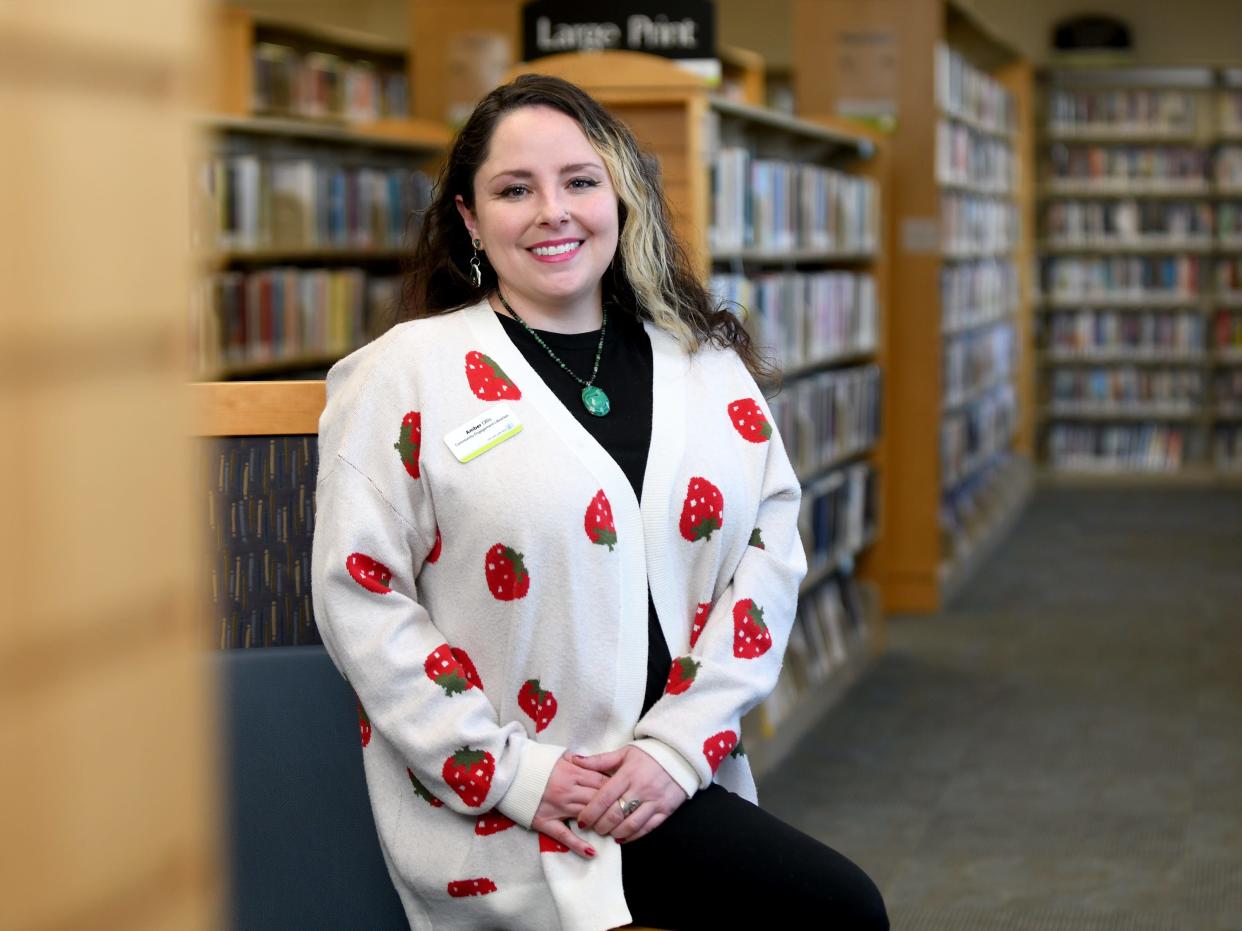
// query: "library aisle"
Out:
[1060,747]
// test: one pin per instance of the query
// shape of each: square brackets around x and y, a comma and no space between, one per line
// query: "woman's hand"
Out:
[634,775]
[569,788]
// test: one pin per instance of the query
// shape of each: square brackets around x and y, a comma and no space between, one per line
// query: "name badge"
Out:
[477,436]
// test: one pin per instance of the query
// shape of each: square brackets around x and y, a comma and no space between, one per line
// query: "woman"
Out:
[557,476]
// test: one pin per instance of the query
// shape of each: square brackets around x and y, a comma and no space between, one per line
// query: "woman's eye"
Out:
[513,190]
[583,183]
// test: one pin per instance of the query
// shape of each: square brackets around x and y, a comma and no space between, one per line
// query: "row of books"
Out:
[773,205]
[803,317]
[1108,332]
[1118,447]
[829,627]
[827,416]
[1123,110]
[318,84]
[976,434]
[1227,389]
[1229,275]
[286,313]
[1127,164]
[1227,448]
[976,361]
[1126,388]
[838,512]
[1121,222]
[1119,276]
[965,156]
[264,201]
[1229,220]
[972,292]
[971,505]
[964,91]
[971,223]
[1228,330]
[1228,166]
[1229,113]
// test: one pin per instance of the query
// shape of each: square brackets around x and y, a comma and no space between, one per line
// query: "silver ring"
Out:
[628,807]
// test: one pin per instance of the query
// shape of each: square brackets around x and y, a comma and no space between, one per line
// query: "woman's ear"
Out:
[467,216]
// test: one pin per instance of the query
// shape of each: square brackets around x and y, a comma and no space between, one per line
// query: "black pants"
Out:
[721,862]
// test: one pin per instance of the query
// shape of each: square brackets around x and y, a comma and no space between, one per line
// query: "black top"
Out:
[625,373]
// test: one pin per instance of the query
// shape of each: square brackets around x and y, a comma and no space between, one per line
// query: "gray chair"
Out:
[300,838]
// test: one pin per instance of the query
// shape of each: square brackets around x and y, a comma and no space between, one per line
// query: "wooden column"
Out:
[106,715]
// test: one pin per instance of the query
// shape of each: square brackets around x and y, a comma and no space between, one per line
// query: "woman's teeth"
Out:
[557,250]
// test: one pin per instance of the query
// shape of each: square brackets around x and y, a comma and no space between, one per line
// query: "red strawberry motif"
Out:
[700,618]
[364,723]
[717,747]
[681,675]
[410,442]
[467,667]
[756,539]
[435,549]
[703,510]
[492,823]
[748,420]
[444,667]
[548,845]
[466,887]
[422,791]
[598,521]
[371,574]
[751,637]
[469,772]
[538,703]
[488,382]
[507,578]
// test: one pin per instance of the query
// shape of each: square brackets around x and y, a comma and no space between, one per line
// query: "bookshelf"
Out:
[1141,213]
[784,217]
[959,373]
[313,171]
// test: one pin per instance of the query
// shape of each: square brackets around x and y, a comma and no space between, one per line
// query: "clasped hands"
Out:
[586,789]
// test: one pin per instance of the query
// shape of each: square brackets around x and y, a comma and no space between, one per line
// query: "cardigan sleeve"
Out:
[735,659]
[365,559]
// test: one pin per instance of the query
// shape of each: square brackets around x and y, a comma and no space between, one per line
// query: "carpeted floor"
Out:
[1062,747]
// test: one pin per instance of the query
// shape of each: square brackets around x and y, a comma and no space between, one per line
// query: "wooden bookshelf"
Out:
[268,235]
[1190,109]
[922,559]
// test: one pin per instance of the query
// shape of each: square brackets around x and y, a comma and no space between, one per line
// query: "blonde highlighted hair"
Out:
[650,276]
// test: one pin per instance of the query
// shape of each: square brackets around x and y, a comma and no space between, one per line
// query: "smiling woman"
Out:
[542,464]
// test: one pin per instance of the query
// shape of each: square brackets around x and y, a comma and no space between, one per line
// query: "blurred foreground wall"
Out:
[105,751]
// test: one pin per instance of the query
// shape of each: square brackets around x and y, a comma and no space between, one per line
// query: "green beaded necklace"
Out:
[593,399]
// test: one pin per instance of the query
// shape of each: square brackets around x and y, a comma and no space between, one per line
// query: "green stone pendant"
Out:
[595,401]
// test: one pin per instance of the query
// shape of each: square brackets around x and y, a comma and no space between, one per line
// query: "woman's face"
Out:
[546,212]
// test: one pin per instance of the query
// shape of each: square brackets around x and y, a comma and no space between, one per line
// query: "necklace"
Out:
[593,399]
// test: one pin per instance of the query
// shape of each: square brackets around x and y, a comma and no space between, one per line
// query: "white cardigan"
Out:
[414,581]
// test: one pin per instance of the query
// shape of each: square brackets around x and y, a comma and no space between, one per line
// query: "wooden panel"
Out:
[107,715]
[232,64]
[434,29]
[257,408]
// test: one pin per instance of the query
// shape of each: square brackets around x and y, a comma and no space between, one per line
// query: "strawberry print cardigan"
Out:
[492,614]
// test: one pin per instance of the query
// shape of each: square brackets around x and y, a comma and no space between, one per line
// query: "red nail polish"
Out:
[590,851]
[581,825]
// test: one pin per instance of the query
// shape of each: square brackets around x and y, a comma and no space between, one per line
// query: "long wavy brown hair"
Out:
[650,276]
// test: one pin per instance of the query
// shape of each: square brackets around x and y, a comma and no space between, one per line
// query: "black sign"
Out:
[673,28]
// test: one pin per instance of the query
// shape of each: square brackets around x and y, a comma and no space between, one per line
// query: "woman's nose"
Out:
[553,212]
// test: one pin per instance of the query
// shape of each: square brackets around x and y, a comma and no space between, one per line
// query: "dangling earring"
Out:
[476,271]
